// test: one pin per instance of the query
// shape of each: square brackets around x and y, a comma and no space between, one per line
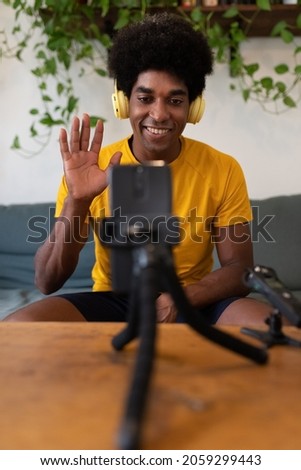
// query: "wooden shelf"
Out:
[264,21]
[261,26]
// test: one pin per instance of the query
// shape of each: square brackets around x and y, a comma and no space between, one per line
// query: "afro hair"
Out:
[162,41]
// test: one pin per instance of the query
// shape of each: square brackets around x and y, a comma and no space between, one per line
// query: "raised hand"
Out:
[84,178]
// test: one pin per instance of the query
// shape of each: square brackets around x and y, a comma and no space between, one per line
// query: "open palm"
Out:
[84,178]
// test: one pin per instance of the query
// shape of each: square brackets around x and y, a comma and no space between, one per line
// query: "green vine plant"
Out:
[64,39]
[276,94]
[77,34]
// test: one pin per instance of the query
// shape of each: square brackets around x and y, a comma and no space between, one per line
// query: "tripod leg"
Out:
[131,426]
[131,330]
[199,324]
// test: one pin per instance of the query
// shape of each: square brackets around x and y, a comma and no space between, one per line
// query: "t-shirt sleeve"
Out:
[235,204]
[61,195]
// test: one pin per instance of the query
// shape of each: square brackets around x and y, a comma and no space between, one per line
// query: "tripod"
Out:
[274,335]
[153,272]
[264,280]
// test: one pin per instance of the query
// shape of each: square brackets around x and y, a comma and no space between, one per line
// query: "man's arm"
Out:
[56,260]
[234,248]
[235,253]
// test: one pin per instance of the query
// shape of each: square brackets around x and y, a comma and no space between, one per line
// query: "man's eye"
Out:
[144,99]
[176,101]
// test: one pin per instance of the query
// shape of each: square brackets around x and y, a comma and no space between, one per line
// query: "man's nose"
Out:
[159,111]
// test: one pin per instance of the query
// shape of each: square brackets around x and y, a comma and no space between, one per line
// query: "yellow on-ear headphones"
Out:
[121,106]
[120,103]
[196,110]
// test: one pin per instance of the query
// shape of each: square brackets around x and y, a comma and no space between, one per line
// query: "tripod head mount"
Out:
[265,281]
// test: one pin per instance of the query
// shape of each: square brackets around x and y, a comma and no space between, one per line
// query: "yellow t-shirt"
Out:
[208,187]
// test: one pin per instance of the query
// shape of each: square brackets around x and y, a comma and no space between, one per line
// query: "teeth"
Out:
[155,130]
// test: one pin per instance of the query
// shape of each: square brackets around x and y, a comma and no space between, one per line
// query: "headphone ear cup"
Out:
[120,104]
[196,110]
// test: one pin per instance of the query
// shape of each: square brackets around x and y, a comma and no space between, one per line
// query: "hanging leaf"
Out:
[231,12]
[33,131]
[280,26]
[72,104]
[298,70]
[50,66]
[101,72]
[47,98]
[60,88]
[287,36]
[197,15]
[251,69]
[16,143]
[123,19]
[280,86]
[246,94]
[264,4]
[267,83]
[288,101]
[48,121]
[281,69]
[105,5]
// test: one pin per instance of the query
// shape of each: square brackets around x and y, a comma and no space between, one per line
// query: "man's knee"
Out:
[48,309]
[244,312]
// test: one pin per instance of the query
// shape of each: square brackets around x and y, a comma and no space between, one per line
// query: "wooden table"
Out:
[63,386]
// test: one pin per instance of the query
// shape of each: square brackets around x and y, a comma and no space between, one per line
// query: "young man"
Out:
[159,66]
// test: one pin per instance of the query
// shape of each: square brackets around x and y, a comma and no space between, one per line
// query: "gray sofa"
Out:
[276,233]
[24,227]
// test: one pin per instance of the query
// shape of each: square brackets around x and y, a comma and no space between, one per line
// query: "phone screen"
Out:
[140,200]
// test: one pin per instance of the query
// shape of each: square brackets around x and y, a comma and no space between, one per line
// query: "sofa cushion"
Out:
[24,227]
[276,235]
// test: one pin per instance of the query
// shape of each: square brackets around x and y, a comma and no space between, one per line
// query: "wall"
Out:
[267,146]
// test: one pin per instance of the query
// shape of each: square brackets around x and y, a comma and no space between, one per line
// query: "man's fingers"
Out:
[85,133]
[97,138]
[75,136]
[115,160]
[64,147]
[80,136]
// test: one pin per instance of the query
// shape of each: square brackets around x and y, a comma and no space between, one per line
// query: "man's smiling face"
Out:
[159,107]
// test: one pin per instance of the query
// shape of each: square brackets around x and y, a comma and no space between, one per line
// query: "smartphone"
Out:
[140,204]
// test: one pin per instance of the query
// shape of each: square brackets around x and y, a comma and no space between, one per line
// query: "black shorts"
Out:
[111,307]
